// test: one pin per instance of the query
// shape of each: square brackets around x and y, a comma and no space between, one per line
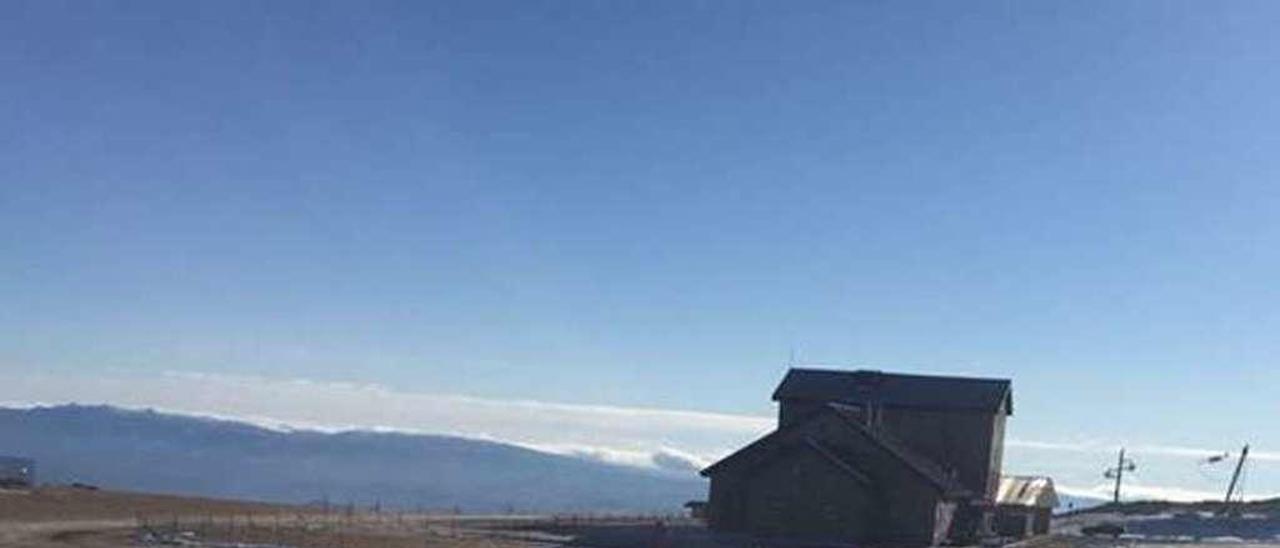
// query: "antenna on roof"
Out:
[791,358]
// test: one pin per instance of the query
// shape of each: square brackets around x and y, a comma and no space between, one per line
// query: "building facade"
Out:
[868,457]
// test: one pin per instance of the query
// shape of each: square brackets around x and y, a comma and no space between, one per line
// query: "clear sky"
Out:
[655,204]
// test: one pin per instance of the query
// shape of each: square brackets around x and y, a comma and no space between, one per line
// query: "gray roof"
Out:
[896,390]
[917,462]
[1031,491]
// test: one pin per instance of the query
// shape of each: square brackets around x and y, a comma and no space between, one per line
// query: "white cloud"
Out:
[1138,491]
[1146,450]
[1201,453]
[663,458]
[1052,446]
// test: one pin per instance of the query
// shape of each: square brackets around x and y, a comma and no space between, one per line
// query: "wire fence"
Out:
[349,528]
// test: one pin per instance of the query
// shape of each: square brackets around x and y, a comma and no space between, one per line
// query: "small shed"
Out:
[1024,505]
[697,509]
[17,472]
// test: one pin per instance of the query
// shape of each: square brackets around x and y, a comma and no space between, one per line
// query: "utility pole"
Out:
[1119,475]
[1235,477]
[1122,465]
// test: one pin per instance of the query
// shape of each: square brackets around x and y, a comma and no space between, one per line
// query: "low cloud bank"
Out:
[1140,491]
[1101,447]
[679,442]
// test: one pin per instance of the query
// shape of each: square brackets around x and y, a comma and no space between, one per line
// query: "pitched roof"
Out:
[1036,491]
[920,463]
[840,462]
[896,389]
[765,447]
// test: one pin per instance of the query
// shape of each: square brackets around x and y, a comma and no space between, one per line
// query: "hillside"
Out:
[1186,524]
[1072,503]
[162,453]
[1152,507]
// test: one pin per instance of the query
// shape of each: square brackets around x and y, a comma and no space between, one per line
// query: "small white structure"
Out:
[16,472]
[1024,505]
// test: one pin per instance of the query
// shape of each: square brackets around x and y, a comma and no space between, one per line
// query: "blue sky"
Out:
[653,205]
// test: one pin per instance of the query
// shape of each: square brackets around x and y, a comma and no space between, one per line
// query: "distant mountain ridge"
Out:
[168,453]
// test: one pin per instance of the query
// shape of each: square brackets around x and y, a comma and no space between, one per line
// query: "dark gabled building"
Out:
[831,476]
[868,457]
[958,422]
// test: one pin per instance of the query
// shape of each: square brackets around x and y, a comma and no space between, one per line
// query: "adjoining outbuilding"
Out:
[1024,506]
[868,457]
